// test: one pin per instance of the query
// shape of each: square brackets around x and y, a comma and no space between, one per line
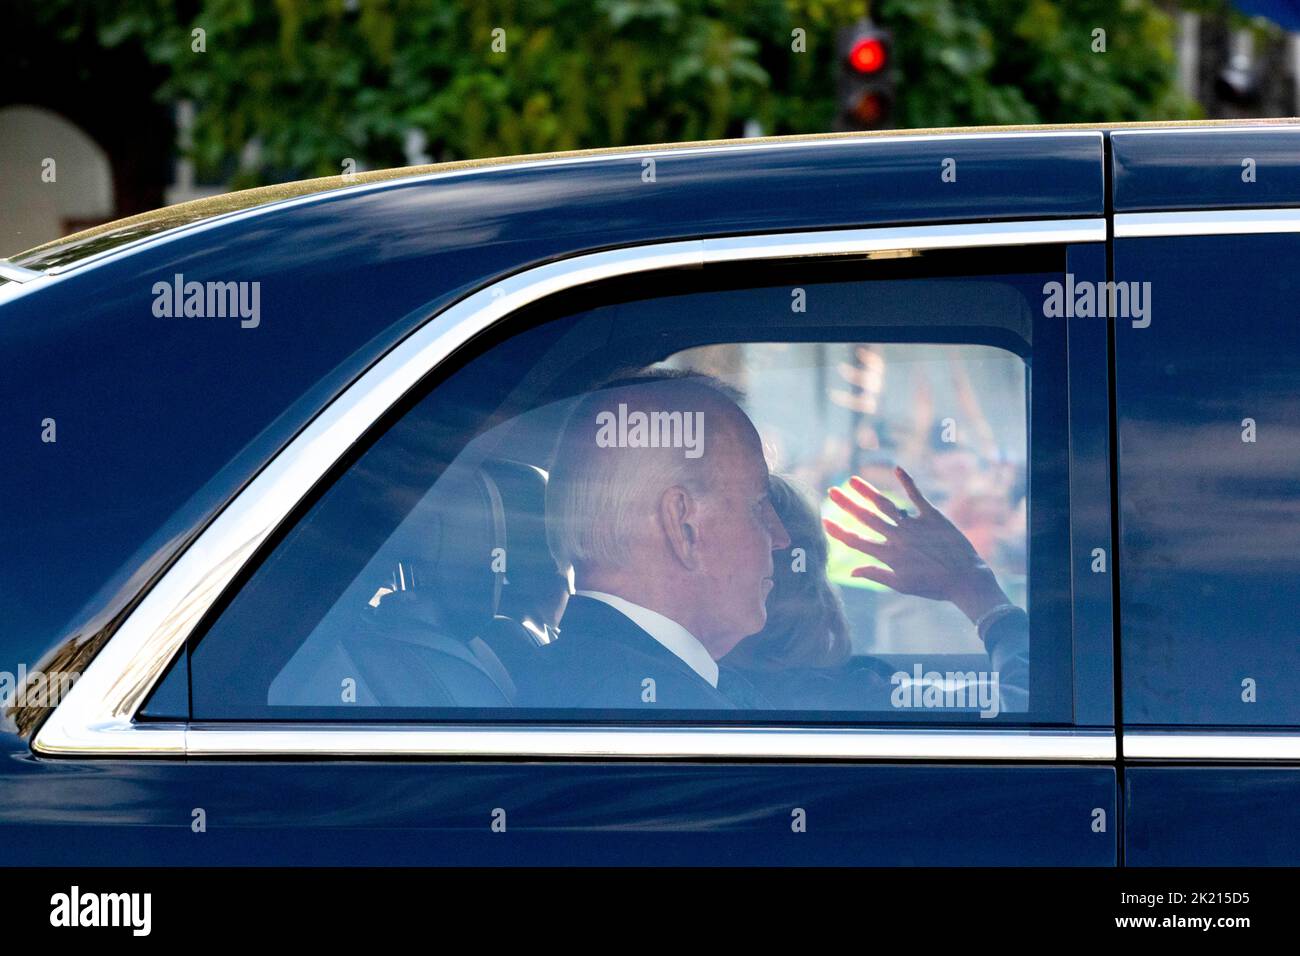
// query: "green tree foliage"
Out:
[316,81]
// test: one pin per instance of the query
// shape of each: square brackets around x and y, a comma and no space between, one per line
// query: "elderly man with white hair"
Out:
[658,499]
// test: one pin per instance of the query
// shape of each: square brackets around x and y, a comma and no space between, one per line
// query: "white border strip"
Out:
[1229,222]
[96,716]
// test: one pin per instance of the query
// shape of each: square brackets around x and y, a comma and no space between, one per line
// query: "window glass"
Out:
[802,500]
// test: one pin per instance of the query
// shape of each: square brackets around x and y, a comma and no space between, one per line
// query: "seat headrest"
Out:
[445,550]
[522,490]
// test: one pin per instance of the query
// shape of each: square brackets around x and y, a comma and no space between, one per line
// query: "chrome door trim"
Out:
[1261,746]
[1280,125]
[642,741]
[96,717]
[1224,222]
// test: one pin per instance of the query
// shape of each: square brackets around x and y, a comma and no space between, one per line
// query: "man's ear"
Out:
[679,518]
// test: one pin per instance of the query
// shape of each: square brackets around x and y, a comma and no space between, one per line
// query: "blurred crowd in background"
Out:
[955,416]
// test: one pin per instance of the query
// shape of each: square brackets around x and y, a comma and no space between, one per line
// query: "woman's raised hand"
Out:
[924,553]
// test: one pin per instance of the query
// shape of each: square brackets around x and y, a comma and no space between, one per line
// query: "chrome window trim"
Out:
[642,741]
[96,717]
[1281,125]
[1261,746]
[1206,222]
[16,273]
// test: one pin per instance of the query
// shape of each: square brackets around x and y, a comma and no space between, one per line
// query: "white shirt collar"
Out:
[681,642]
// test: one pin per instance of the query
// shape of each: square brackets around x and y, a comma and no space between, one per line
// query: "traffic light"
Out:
[866,82]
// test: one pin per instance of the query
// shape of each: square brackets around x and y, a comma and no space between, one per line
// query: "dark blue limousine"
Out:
[907,499]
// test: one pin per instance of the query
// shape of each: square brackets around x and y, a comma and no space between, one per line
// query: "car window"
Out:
[806,493]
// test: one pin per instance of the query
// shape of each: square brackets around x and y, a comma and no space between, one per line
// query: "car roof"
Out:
[88,243]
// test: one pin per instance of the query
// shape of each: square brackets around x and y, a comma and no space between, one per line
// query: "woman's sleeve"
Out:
[1007,642]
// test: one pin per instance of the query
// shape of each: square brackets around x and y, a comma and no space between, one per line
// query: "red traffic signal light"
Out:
[867,55]
[869,109]
[865,85]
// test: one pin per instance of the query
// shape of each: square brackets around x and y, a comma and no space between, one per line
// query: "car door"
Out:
[316,731]
[1206,223]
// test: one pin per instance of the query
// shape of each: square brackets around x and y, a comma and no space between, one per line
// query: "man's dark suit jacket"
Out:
[602,659]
